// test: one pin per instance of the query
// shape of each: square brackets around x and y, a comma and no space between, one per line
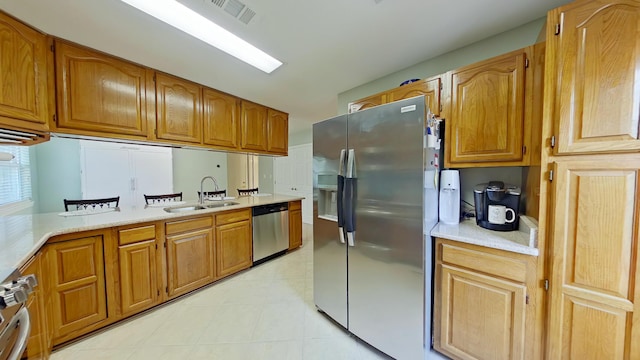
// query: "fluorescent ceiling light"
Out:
[196,25]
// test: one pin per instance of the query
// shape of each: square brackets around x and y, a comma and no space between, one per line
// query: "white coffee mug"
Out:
[498,214]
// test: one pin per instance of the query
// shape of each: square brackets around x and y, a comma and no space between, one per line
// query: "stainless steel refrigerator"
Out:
[375,202]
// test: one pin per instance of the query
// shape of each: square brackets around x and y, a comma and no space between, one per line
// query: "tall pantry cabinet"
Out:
[590,186]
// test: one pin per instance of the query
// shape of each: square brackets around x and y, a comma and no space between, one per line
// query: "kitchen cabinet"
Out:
[430,88]
[594,302]
[38,346]
[253,126]
[26,100]
[486,123]
[190,254]
[137,260]
[100,95]
[179,109]
[594,87]
[295,224]
[234,245]
[220,119]
[368,102]
[481,303]
[77,284]
[278,132]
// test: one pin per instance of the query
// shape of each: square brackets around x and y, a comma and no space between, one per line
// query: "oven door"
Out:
[14,336]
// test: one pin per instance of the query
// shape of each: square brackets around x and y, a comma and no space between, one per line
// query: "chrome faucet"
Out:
[201,200]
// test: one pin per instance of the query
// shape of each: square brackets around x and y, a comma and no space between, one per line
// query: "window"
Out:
[15,176]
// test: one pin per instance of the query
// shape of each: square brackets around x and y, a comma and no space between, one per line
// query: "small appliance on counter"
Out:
[497,206]
[450,197]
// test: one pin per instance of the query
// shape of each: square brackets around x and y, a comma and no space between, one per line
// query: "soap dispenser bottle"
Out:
[450,197]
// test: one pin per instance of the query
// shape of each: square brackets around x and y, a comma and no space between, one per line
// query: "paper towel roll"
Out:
[5,156]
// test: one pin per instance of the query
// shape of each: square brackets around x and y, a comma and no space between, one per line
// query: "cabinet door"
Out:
[368,102]
[138,280]
[254,126]
[233,247]
[594,308]
[190,262]
[481,317]
[98,94]
[597,71]
[295,227]
[278,129]
[179,109]
[487,111]
[77,283]
[430,88]
[220,119]
[37,346]
[23,65]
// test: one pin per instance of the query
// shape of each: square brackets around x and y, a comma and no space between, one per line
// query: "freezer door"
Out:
[386,276]
[329,249]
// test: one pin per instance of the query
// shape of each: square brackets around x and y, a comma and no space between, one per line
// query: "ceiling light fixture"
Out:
[196,25]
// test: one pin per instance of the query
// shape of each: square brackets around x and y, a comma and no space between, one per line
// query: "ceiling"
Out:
[327,46]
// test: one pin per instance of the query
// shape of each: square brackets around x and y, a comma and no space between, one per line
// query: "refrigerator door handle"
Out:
[350,196]
[339,197]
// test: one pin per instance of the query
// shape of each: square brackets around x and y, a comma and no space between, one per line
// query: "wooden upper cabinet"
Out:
[253,126]
[596,58]
[486,119]
[100,95]
[220,119]
[178,109]
[430,88]
[594,295]
[368,102]
[278,130]
[24,93]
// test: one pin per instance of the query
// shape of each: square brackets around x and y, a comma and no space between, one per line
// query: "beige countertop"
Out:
[523,241]
[22,235]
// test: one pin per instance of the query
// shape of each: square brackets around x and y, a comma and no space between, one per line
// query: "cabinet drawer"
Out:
[497,265]
[175,227]
[130,236]
[295,205]
[232,217]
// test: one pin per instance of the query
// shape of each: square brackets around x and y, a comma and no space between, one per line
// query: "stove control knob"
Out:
[15,296]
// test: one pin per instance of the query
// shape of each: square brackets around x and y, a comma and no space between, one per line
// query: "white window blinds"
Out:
[15,176]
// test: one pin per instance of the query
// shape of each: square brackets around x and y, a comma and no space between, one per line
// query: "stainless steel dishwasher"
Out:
[270,231]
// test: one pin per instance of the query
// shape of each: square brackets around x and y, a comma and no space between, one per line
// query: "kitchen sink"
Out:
[221,204]
[179,209]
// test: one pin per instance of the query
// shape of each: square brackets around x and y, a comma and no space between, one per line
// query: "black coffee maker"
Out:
[497,206]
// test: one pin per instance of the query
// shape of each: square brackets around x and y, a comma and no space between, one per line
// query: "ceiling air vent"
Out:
[235,8]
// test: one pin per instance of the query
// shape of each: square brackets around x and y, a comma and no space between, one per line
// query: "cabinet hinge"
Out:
[158,292]
[546,285]
[440,107]
[524,150]
[526,63]
[526,299]
[156,246]
[154,77]
[557,32]
[440,86]
[550,175]
[53,47]
[55,119]
[553,141]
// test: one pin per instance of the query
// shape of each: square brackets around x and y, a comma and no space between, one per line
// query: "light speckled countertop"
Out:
[22,235]
[521,241]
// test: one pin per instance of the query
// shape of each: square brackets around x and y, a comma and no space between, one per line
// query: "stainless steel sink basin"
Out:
[178,209]
[221,204]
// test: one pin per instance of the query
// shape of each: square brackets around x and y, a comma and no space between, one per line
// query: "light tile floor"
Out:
[266,312]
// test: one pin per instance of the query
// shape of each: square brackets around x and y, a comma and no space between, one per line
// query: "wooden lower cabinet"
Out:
[190,257]
[38,346]
[295,224]
[481,306]
[137,260]
[77,276]
[234,247]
